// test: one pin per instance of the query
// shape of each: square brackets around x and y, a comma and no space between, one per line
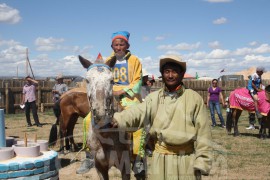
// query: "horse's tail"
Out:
[229,115]
[53,135]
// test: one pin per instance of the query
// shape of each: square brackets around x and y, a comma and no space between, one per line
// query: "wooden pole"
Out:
[7,98]
[30,64]
[25,140]
[39,98]
[35,138]
[26,64]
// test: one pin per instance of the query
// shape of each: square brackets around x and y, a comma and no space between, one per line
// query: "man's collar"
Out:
[178,91]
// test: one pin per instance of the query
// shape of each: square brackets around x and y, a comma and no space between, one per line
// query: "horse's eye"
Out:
[112,81]
[87,81]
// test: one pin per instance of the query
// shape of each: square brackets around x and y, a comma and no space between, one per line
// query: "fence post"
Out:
[7,98]
[2,129]
[39,98]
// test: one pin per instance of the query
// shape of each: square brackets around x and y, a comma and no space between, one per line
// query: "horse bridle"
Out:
[109,111]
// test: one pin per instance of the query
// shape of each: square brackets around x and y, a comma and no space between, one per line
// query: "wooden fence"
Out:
[11,91]
[11,94]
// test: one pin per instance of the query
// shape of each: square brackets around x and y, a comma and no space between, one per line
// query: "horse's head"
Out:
[99,78]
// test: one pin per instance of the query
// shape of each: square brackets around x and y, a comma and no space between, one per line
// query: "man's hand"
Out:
[198,174]
[119,93]
[114,123]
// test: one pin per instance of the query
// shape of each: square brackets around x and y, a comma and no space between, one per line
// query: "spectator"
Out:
[58,89]
[29,100]
[213,102]
[179,125]
[146,85]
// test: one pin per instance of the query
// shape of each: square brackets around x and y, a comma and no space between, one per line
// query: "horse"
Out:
[240,100]
[110,146]
[73,104]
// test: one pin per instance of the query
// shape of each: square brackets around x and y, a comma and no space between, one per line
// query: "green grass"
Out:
[243,157]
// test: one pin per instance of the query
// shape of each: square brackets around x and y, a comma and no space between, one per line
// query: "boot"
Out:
[258,114]
[86,165]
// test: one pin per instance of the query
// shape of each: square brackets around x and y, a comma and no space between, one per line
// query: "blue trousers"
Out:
[215,105]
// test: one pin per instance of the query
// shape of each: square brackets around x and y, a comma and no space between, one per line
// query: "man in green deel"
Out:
[179,125]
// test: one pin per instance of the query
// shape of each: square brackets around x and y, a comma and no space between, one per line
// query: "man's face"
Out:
[119,47]
[172,75]
[260,73]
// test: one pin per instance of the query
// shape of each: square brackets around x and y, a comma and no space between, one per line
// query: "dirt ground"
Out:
[244,157]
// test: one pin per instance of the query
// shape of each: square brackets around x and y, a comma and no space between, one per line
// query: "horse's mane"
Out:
[74,90]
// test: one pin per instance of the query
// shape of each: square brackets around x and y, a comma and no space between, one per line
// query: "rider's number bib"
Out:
[121,74]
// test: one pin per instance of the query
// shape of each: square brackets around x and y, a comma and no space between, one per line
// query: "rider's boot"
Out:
[258,114]
[86,165]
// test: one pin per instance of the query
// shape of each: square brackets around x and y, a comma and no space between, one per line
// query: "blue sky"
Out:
[210,35]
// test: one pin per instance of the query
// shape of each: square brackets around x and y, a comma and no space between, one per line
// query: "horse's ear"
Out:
[86,63]
[111,62]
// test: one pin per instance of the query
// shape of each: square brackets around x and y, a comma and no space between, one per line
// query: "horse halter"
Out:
[109,111]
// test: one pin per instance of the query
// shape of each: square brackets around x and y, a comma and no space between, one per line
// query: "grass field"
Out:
[243,157]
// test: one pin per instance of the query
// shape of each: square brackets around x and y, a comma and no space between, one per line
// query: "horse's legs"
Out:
[72,122]
[236,114]
[263,127]
[63,126]
[229,122]
[62,132]
[103,171]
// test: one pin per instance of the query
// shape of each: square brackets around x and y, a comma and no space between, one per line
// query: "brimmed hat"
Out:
[59,76]
[144,72]
[173,59]
[121,34]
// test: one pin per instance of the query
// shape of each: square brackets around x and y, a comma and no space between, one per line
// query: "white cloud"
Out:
[49,44]
[242,51]
[221,20]
[253,43]
[219,1]
[13,54]
[218,54]
[8,43]
[159,38]
[255,59]
[264,48]
[181,46]
[214,44]
[9,14]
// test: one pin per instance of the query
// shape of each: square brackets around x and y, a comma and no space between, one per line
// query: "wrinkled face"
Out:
[119,47]
[99,91]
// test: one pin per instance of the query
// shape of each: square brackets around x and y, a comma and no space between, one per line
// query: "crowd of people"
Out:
[174,116]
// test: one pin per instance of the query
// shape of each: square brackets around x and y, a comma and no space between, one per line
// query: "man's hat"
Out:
[144,72]
[172,59]
[59,76]
[121,34]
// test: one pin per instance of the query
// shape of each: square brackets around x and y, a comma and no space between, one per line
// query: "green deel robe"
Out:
[174,120]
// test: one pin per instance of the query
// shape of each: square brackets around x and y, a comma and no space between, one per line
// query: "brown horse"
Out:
[110,146]
[73,104]
[240,100]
